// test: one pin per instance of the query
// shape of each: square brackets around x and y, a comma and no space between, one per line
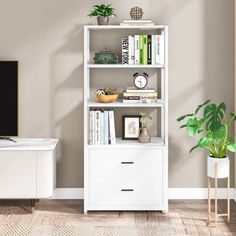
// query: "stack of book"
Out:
[133,95]
[143,49]
[141,22]
[101,127]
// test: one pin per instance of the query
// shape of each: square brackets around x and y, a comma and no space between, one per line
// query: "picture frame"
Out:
[130,127]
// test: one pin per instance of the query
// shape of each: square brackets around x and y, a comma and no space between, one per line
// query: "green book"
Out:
[140,49]
[145,49]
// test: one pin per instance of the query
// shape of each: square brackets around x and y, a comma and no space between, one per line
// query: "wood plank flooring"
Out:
[189,217]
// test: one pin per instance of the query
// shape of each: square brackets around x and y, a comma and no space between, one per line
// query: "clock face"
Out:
[140,81]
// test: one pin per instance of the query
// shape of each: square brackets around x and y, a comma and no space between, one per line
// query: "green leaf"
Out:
[183,117]
[200,106]
[204,142]
[193,148]
[214,113]
[233,115]
[183,126]
[231,147]
[193,125]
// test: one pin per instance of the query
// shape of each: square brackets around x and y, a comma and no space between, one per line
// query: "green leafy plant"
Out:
[145,120]
[213,126]
[106,91]
[103,10]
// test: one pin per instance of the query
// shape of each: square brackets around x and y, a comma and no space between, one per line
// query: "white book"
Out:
[157,49]
[91,127]
[137,24]
[106,128]
[162,49]
[102,127]
[153,49]
[131,50]
[97,127]
[137,21]
[136,50]
[135,90]
[125,50]
[112,128]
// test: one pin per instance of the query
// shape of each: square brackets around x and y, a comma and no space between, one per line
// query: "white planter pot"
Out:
[222,167]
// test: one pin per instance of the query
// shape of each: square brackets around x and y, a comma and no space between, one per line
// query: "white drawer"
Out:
[126,191]
[118,163]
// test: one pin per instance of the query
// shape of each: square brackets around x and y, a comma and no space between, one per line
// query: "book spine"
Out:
[162,49]
[157,49]
[132,97]
[140,49]
[125,50]
[153,49]
[131,50]
[102,127]
[90,127]
[97,127]
[145,50]
[140,94]
[106,128]
[112,128]
[136,50]
[149,44]
[143,100]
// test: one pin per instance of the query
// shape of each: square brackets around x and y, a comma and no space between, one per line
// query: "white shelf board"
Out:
[123,66]
[108,27]
[119,103]
[155,142]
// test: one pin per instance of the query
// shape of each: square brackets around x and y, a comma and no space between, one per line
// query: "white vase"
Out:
[222,167]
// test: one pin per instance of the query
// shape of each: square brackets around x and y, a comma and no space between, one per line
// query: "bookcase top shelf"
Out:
[155,142]
[123,66]
[94,103]
[109,27]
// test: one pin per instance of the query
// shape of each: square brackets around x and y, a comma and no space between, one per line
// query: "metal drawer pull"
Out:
[127,190]
[127,162]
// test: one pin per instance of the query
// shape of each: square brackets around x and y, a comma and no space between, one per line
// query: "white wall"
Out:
[47,39]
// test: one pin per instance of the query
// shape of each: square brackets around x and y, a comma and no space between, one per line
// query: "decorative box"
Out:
[106,57]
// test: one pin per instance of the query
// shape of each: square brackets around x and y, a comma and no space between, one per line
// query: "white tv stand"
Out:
[27,168]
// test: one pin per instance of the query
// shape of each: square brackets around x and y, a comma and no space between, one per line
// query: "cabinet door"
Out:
[45,173]
[17,174]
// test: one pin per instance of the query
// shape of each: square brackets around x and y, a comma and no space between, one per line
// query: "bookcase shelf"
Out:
[127,164]
[93,104]
[155,142]
[122,66]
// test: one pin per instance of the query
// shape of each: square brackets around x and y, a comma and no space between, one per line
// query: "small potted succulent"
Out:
[146,121]
[214,127]
[103,12]
[106,95]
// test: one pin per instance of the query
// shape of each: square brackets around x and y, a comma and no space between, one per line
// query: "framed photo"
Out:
[131,125]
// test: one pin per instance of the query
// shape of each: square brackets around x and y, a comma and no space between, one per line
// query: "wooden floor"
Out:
[189,217]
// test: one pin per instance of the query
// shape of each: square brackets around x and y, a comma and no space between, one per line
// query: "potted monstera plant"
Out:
[213,125]
[103,12]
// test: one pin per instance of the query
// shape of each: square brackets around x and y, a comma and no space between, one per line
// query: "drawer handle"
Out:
[127,162]
[127,190]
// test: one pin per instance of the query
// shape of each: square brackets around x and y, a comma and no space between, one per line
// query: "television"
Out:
[8,98]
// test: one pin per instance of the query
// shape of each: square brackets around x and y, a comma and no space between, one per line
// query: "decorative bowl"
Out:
[107,98]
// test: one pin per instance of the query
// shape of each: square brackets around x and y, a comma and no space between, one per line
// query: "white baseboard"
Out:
[68,193]
[174,193]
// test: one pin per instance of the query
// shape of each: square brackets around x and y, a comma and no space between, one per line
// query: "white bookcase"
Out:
[127,175]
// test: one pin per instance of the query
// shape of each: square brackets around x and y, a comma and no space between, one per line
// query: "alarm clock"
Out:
[140,80]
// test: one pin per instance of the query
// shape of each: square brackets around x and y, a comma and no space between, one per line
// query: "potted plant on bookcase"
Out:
[103,12]
[214,127]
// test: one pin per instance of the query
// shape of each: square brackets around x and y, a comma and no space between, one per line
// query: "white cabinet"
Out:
[28,168]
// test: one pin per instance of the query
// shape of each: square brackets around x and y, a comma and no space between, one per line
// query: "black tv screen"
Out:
[8,98]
